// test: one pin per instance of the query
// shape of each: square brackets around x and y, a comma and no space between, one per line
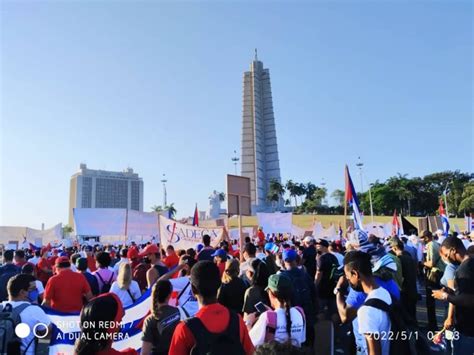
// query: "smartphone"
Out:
[261,307]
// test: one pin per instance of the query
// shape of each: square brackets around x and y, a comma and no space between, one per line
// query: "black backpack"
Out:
[207,343]
[105,285]
[404,336]
[10,343]
[301,292]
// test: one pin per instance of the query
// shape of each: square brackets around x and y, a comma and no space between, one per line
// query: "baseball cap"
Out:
[150,249]
[132,253]
[279,283]
[220,253]
[323,243]
[308,239]
[62,259]
[289,255]
[269,246]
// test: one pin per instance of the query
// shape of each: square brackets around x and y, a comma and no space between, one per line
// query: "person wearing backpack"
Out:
[66,290]
[105,275]
[19,309]
[283,322]
[7,271]
[158,327]
[374,323]
[304,291]
[214,329]
[125,288]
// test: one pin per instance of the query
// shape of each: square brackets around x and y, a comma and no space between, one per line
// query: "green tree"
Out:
[275,192]
[156,208]
[466,205]
[292,189]
[67,229]
[339,196]
[171,210]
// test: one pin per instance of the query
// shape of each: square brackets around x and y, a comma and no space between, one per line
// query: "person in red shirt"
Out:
[44,269]
[132,255]
[20,259]
[171,259]
[99,323]
[261,237]
[66,290]
[90,259]
[220,257]
[214,317]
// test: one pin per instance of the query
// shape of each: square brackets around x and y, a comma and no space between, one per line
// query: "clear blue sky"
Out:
[158,86]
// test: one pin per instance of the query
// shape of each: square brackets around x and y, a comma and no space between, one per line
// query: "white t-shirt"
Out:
[34,260]
[31,315]
[374,321]
[123,294]
[298,328]
[39,287]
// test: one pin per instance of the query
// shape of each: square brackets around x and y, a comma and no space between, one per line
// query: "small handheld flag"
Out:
[351,199]
[444,218]
[395,225]
[196,217]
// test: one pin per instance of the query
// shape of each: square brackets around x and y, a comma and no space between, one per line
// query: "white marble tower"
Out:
[259,158]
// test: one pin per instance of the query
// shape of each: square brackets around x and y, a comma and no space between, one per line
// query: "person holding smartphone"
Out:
[281,322]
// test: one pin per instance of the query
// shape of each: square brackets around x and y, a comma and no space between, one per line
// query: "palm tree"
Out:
[275,192]
[171,210]
[292,189]
[157,209]
[301,190]
[339,196]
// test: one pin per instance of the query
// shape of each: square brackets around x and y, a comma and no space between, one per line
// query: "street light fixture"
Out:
[235,159]
[164,181]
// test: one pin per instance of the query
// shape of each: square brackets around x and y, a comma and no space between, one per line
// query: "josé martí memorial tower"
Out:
[259,154]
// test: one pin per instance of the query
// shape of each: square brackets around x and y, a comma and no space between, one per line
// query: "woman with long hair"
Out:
[100,324]
[282,322]
[125,288]
[258,275]
[159,326]
[232,290]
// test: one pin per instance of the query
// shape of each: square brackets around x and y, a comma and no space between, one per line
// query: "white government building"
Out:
[105,189]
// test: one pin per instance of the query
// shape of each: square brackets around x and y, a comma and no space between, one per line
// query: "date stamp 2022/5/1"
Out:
[409,335]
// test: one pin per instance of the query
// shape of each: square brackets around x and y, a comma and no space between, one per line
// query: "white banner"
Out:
[99,221]
[234,232]
[326,233]
[275,222]
[142,223]
[184,236]
[33,236]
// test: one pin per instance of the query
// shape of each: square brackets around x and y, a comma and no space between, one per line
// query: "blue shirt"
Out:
[356,299]
[448,274]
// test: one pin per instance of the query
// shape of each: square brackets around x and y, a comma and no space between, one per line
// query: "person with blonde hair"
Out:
[232,291]
[125,288]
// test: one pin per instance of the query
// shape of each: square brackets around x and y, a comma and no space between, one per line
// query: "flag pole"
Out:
[345,201]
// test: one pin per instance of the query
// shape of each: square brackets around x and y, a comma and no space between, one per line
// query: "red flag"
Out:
[395,224]
[196,217]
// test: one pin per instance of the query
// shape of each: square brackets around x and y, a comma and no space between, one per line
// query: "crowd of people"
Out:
[263,298]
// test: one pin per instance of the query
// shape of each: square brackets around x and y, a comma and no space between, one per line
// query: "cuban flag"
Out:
[196,217]
[444,218]
[352,201]
[65,326]
[396,229]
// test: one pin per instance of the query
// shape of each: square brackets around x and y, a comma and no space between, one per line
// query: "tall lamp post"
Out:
[360,165]
[164,181]
[235,159]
